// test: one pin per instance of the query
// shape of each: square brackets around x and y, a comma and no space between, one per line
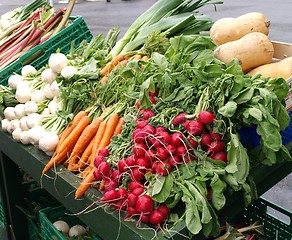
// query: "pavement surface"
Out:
[101,15]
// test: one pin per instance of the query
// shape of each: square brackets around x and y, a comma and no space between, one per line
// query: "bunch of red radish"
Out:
[155,150]
[131,200]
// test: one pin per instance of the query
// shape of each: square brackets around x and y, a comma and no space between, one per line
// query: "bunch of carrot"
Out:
[80,142]
[119,60]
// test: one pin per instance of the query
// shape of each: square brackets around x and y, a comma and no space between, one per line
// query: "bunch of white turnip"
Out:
[38,94]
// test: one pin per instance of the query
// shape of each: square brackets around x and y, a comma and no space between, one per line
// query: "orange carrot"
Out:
[118,128]
[58,158]
[123,63]
[145,58]
[75,134]
[87,134]
[109,130]
[85,184]
[104,79]
[85,155]
[70,128]
[118,59]
[127,57]
[107,68]
[101,185]
[97,140]
[137,57]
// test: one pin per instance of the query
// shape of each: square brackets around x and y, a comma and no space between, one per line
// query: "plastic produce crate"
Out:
[33,230]
[263,211]
[2,217]
[49,215]
[76,31]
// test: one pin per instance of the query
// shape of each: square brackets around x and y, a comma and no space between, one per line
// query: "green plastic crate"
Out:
[33,230]
[49,215]
[263,211]
[2,217]
[38,56]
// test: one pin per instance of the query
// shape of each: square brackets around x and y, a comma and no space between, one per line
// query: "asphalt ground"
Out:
[101,15]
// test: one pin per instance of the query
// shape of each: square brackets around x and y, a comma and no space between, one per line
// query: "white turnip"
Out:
[28,70]
[57,62]
[48,75]
[14,80]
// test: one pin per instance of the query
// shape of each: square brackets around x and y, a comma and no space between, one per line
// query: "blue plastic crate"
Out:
[249,136]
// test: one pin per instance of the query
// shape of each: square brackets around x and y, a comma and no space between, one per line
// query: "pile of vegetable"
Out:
[156,120]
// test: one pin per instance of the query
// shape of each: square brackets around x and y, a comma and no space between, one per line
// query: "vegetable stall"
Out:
[162,133]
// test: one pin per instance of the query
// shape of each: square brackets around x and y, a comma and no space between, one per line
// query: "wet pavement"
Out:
[101,15]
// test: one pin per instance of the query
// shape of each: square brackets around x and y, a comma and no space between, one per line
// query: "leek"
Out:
[173,17]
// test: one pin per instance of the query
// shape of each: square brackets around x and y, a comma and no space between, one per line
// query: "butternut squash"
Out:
[230,29]
[252,50]
[281,69]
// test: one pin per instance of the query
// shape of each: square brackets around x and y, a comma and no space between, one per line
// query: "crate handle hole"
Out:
[279,215]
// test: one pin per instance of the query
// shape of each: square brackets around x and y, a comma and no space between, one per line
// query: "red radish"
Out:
[206,139]
[141,123]
[215,135]
[164,137]
[138,191]
[206,117]
[104,168]
[145,204]
[132,199]
[160,129]
[171,148]
[155,142]
[154,94]
[149,130]
[174,160]
[139,149]
[146,113]
[97,175]
[194,127]
[181,151]
[138,105]
[143,162]
[216,146]
[103,152]
[177,139]
[156,217]
[164,210]
[137,174]
[120,205]
[220,156]
[116,175]
[186,159]
[163,168]
[110,184]
[133,185]
[122,165]
[150,155]
[162,153]
[131,211]
[110,195]
[179,119]
[152,99]
[131,161]
[138,135]
[123,193]
[192,141]
[144,218]
[98,160]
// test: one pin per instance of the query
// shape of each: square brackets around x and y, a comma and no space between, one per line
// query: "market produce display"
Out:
[154,121]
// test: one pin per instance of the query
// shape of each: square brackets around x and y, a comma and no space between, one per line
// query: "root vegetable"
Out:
[230,29]
[30,107]
[28,70]
[19,111]
[9,113]
[61,226]
[57,62]
[76,231]
[24,137]
[252,50]
[68,72]
[48,75]
[14,80]
[22,94]
[48,141]
[281,69]
[16,134]
[4,124]
[38,96]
